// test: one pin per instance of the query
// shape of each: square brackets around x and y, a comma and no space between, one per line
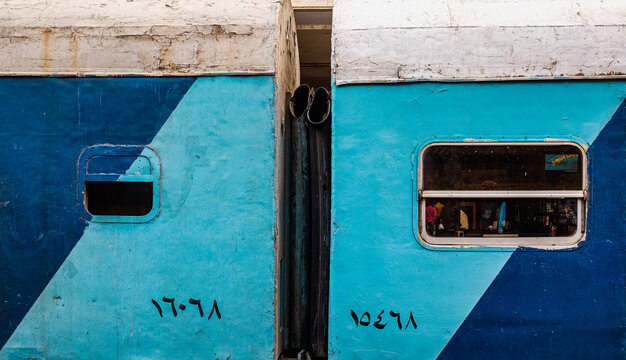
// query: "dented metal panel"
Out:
[454,40]
[91,38]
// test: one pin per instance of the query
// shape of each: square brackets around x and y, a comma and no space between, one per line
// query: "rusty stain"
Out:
[46,49]
[74,46]
[165,51]
[166,64]
[189,56]
[217,30]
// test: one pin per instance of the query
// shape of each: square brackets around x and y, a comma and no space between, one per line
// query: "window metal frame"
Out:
[557,242]
[119,150]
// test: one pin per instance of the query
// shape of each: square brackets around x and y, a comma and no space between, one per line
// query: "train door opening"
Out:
[305,268]
[314,27]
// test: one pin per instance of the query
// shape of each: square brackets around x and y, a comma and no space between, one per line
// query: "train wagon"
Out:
[478,180]
[140,189]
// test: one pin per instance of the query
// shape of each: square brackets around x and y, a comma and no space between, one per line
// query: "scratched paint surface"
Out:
[212,241]
[376,262]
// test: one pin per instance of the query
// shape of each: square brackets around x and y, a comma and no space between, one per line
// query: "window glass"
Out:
[510,217]
[510,167]
[501,193]
[128,198]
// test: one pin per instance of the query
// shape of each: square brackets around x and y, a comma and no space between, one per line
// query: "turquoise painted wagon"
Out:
[140,188]
[478,192]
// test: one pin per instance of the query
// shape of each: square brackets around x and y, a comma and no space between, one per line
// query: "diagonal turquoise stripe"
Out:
[213,240]
[46,123]
[541,303]
[376,263]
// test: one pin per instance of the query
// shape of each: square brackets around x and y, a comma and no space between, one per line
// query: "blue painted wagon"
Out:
[478,180]
[140,186]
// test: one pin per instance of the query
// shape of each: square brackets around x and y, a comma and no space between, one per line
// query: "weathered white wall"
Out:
[422,40]
[142,37]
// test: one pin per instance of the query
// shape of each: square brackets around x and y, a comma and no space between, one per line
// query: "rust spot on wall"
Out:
[74,48]
[217,30]
[45,56]
[165,53]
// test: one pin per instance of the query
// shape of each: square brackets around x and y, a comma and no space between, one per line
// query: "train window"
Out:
[125,198]
[119,183]
[502,194]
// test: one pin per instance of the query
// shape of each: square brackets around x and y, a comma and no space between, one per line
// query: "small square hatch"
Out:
[119,183]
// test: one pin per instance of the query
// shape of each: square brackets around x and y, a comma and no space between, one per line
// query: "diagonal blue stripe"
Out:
[557,305]
[213,240]
[45,124]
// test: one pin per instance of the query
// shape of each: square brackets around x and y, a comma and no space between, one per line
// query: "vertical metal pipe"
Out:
[300,100]
[308,244]
[300,233]
[318,115]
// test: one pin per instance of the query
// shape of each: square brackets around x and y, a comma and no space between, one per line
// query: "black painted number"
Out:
[365,319]
[215,310]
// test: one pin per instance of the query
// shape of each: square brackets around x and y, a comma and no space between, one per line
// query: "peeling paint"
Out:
[79,38]
[457,41]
